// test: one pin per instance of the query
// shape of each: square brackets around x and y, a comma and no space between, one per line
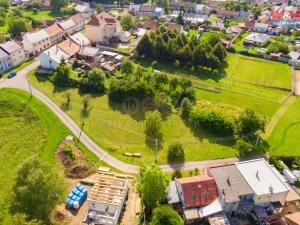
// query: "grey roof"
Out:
[172,193]
[3,54]
[89,51]
[262,25]
[10,46]
[261,177]
[231,182]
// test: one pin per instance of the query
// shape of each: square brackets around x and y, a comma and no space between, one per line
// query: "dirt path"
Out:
[130,216]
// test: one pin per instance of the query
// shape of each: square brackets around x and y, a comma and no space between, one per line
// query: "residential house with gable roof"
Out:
[56,33]
[15,51]
[5,61]
[178,5]
[79,20]
[35,43]
[69,26]
[234,191]
[103,29]
[146,10]
[51,58]
[229,14]
[197,196]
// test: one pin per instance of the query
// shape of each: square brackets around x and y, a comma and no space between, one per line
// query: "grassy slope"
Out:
[31,129]
[284,140]
[119,133]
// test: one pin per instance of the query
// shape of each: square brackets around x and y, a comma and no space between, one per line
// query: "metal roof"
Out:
[231,182]
[261,177]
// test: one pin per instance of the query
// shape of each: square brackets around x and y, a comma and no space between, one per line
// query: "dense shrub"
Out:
[176,153]
[276,163]
[211,121]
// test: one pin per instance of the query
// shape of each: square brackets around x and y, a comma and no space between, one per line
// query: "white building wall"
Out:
[46,62]
[18,57]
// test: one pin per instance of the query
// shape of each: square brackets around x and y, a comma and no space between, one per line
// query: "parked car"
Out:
[12,74]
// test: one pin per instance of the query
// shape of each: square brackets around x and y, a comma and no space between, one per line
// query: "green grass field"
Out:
[118,132]
[44,14]
[258,71]
[284,140]
[28,128]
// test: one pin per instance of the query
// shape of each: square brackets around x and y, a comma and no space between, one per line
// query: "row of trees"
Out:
[169,46]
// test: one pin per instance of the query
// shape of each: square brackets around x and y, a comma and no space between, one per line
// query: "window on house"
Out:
[193,195]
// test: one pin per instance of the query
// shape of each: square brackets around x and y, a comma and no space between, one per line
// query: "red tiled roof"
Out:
[198,191]
[174,27]
[77,18]
[293,218]
[151,25]
[53,30]
[229,12]
[285,15]
[69,47]
[102,18]
[249,24]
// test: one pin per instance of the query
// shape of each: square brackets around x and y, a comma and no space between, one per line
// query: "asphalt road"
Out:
[20,81]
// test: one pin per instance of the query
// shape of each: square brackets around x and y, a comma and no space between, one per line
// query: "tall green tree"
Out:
[176,153]
[127,21]
[144,47]
[94,82]
[219,51]
[61,76]
[37,190]
[152,184]
[153,125]
[18,25]
[165,215]
[249,123]
[58,4]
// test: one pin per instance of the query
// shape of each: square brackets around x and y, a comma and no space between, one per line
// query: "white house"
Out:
[103,28]
[15,51]
[56,34]
[51,58]
[159,12]
[257,39]
[34,43]
[261,27]
[69,26]
[79,20]
[266,182]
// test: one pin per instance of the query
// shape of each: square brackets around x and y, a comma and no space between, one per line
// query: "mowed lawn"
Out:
[284,140]
[118,132]
[43,14]
[258,71]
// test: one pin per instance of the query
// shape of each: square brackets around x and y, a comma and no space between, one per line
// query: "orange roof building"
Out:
[69,47]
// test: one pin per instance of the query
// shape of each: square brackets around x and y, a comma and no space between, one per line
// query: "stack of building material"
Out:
[76,197]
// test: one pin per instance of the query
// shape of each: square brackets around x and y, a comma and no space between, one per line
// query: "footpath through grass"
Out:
[27,128]
[284,140]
